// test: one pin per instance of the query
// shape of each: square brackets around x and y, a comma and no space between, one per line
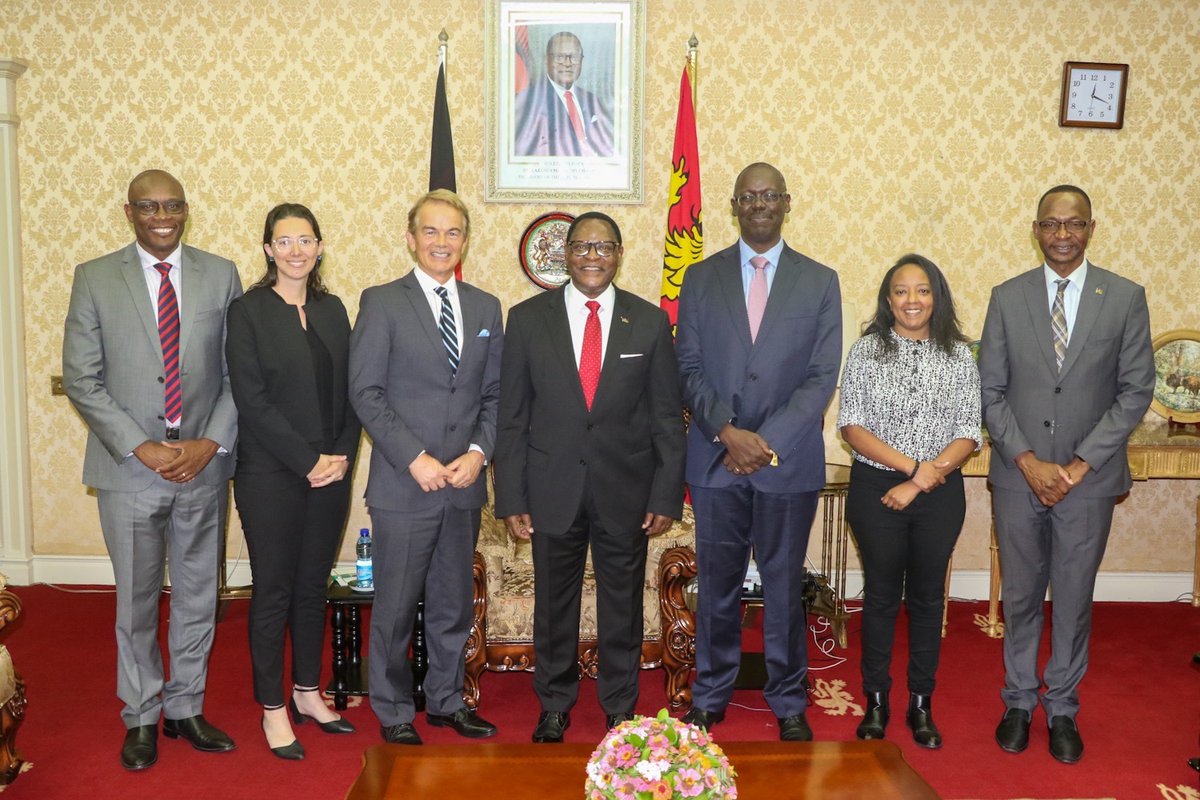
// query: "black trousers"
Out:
[292,532]
[619,561]
[904,554]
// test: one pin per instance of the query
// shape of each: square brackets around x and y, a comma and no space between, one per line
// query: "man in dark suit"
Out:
[759,344]
[1067,371]
[144,365]
[424,381]
[590,451]
[557,117]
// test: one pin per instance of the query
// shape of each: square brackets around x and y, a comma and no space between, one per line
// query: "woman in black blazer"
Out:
[287,347]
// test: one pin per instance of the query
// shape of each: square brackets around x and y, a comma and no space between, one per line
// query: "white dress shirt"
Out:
[1071,295]
[577,314]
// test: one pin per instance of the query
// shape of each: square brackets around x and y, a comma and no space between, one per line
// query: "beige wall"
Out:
[900,124]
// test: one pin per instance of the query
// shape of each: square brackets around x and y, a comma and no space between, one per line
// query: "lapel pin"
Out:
[1100,290]
[625,320]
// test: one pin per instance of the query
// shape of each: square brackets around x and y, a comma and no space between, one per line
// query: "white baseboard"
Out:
[1139,587]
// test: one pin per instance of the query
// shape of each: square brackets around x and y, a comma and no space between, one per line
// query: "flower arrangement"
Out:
[659,758]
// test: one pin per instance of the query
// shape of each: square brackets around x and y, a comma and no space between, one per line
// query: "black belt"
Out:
[172,434]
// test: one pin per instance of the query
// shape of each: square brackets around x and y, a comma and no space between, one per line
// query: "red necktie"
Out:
[573,113]
[589,356]
[168,334]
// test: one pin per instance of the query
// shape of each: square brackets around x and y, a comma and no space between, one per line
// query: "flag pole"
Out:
[443,38]
[693,46]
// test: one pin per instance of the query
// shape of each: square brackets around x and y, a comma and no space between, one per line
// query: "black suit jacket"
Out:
[629,449]
[274,386]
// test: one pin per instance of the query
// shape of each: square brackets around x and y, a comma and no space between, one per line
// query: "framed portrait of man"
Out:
[564,100]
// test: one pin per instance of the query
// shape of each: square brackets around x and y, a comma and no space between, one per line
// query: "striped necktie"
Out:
[1058,322]
[168,334]
[448,328]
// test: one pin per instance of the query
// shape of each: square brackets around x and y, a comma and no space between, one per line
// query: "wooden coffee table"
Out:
[766,771]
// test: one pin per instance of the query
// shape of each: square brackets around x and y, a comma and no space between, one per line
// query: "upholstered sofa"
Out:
[501,638]
[12,693]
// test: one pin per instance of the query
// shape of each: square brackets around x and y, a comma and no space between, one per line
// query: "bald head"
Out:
[156,177]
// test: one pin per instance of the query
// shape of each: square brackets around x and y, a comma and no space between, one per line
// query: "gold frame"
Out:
[523,178]
[1157,405]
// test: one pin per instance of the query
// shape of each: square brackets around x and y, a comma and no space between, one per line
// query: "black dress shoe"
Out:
[465,722]
[551,726]
[404,733]
[875,719]
[794,729]
[613,720]
[1066,745]
[140,749]
[338,725]
[1012,734]
[203,735]
[920,719]
[701,718]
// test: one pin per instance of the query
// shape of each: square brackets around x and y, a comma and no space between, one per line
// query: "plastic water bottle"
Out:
[364,574]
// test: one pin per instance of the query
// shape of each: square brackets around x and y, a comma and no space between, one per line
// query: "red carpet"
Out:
[1139,721]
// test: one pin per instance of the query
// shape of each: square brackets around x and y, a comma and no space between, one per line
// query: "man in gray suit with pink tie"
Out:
[759,345]
[1066,370]
[425,382]
[144,365]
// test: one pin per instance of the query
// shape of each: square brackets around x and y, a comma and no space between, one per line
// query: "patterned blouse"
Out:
[917,400]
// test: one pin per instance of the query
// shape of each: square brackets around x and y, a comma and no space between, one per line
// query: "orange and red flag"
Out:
[684,244]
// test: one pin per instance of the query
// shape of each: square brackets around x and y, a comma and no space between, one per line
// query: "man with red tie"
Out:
[589,452]
[558,117]
[144,365]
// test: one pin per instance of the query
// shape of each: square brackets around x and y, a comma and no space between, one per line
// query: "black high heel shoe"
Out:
[289,752]
[333,726]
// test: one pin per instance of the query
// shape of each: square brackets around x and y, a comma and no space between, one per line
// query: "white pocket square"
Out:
[632,355]
[483,333]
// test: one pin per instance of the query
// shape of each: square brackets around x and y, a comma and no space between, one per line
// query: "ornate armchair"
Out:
[12,693]
[501,638]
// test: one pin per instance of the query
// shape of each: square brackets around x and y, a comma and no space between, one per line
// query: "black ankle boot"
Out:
[920,719]
[876,718]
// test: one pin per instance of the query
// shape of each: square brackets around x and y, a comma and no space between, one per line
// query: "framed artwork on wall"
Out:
[564,100]
[1177,375]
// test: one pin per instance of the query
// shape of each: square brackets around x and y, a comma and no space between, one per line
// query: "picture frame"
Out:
[542,145]
[1177,375]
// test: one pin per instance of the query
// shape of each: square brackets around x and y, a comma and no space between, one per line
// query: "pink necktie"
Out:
[589,356]
[573,113]
[756,302]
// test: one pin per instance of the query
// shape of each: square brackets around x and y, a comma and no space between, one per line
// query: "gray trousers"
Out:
[182,523]
[1059,547]
[427,553]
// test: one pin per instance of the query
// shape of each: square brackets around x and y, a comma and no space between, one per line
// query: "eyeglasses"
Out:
[566,58]
[1072,225]
[286,242]
[148,208]
[770,198]
[603,249]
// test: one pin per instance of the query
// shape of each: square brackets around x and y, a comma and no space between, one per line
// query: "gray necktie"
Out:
[1058,322]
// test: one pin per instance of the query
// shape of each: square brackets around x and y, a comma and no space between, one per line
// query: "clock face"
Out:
[1094,94]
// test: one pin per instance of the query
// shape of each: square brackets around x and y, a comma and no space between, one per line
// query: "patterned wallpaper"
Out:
[901,125]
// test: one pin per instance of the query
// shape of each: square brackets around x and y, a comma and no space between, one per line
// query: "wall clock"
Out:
[1093,95]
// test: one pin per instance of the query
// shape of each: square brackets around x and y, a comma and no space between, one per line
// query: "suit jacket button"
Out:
[453,389]
[1058,390]
[160,380]
[1046,422]
[452,427]
[753,376]
[582,463]
[590,426]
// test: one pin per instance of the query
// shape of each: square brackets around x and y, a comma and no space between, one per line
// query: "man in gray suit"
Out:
[1067,371]
[144,365]
[425,381]
[759,345]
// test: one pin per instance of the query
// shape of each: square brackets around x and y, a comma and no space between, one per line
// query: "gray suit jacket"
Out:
[1086,409]
[779,385]
[112,364]
[407,399]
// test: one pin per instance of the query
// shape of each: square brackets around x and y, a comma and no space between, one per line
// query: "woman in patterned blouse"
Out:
[910,411]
